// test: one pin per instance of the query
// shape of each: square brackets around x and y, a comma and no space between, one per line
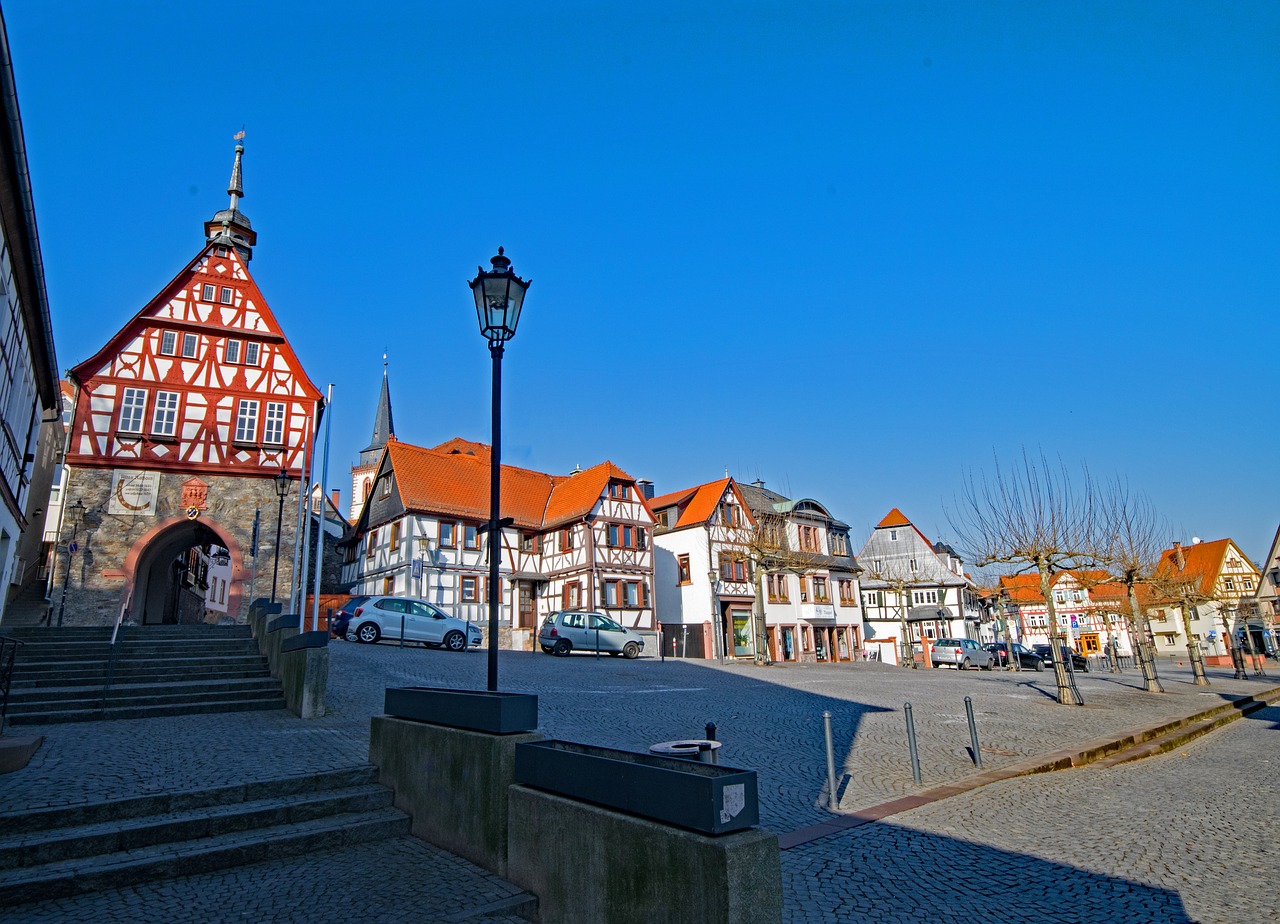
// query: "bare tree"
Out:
[768,550]
[1132,554]
[1174,584]
[1032,518]
[898,581]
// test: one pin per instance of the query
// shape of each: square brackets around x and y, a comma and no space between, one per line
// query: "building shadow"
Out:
[884,872]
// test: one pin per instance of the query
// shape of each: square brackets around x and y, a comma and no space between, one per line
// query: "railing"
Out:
[8,653]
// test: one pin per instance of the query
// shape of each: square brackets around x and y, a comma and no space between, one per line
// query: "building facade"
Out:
[29,397]
[1207,588]
[916,590]
[577,541]
[189,432]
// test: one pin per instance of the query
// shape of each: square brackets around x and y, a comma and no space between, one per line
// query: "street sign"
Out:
[73,547]
[417,568]
[1074,623]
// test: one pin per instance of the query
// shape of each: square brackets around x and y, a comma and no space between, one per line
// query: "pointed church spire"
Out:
[384,428]
[230,227]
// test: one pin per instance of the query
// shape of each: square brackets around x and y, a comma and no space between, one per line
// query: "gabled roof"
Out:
[453,479]
[698,505]
[894,517]
[1025,588]
[1202,563]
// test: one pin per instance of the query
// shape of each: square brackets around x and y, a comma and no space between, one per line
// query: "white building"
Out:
[909,581]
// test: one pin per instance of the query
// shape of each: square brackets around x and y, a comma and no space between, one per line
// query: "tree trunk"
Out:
[757,616]
[1237,656]
[1068,695]
[1142,645]
[1193,649]
[908,655]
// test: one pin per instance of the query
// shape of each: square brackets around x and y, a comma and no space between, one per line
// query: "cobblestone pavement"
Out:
[1189,836]
[770,720]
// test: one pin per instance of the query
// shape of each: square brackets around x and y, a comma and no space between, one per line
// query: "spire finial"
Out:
[235,188]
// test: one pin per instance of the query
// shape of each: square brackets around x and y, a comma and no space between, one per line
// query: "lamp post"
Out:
[77,512]
[499,296]
[282,491]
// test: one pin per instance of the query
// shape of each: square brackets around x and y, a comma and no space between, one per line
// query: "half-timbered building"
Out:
[703,580]
[577,541]
[915,589]
[185,423]
[812,610]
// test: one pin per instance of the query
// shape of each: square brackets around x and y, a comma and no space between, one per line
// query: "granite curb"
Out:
[1105,752]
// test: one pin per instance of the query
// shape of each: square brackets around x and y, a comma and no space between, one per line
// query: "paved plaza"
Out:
[1059,847]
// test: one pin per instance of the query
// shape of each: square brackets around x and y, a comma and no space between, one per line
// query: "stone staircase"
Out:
[72,675]
[56,852]
[28,608]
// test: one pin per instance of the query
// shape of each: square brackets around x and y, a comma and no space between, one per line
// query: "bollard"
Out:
[911,743]
[597,643]
[973,732]
[832,802]
[705,754]
[402,627]
[711,731]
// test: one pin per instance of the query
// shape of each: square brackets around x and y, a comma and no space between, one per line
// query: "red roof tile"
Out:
[894,517]
[1202,562]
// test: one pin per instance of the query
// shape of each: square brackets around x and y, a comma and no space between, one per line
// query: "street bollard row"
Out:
[974,744]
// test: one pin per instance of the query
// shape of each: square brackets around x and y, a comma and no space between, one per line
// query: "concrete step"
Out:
[220,704]
[200,855]
[86,813]
[57,852]
[104,837]
[128,633]
[96,677]
[44,654]
[21,699]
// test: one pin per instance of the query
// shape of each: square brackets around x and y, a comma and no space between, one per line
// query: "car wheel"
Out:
[562,648]
[368,633]
[989,665]
[964,665]
[455,641]
[1040,666]
[631,650]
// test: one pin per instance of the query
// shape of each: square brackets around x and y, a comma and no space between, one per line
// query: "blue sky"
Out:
[853,249]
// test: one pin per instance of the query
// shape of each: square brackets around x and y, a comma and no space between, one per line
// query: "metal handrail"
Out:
[8,654]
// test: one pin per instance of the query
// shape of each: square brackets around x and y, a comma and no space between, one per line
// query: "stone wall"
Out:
[113,545]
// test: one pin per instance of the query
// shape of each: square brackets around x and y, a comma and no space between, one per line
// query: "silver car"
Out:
[418,621]
[575,630]
[963,653]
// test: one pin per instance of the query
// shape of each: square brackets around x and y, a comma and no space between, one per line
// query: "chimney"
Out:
[758,483]
[336,495]
[1179,559]
[646,488]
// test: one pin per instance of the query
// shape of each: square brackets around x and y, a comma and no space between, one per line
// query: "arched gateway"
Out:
[188,444]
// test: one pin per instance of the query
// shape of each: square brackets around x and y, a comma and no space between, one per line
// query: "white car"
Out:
[419,621]
[573,630]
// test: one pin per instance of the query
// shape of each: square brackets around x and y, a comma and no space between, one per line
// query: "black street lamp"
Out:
[282,491]
[77,512]
[499,295]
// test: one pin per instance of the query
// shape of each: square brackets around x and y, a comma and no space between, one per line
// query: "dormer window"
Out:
[169,343]
[221,251]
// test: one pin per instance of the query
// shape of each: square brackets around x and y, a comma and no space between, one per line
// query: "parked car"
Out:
[1027,659]
[382,618]
[1078,661]
[571,630]
[962,653]
[342,619]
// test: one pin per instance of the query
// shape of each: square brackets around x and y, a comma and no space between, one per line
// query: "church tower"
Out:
[384,430]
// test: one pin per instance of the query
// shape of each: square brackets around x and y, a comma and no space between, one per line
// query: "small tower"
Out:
[384,429]
[230,227]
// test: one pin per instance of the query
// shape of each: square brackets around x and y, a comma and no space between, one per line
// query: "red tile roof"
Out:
[701,502]
[1202,562]
[894,517]
[453,478]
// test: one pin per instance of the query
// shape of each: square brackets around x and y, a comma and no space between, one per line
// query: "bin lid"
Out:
[687,748]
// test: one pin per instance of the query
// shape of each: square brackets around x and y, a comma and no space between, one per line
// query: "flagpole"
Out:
[324,480]
[296,581]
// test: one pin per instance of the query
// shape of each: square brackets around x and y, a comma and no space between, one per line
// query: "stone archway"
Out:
[149,568]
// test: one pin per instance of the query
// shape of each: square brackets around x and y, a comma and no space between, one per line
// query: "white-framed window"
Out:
[231,353]
[169,342]
[251,354]
[132,407]
[225,295]
[221,251]
[164,421]
[893,535]
[207,292]
[247,421]
[189,344]
[273,427]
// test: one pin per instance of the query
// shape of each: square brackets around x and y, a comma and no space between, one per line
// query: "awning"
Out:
[927,614]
